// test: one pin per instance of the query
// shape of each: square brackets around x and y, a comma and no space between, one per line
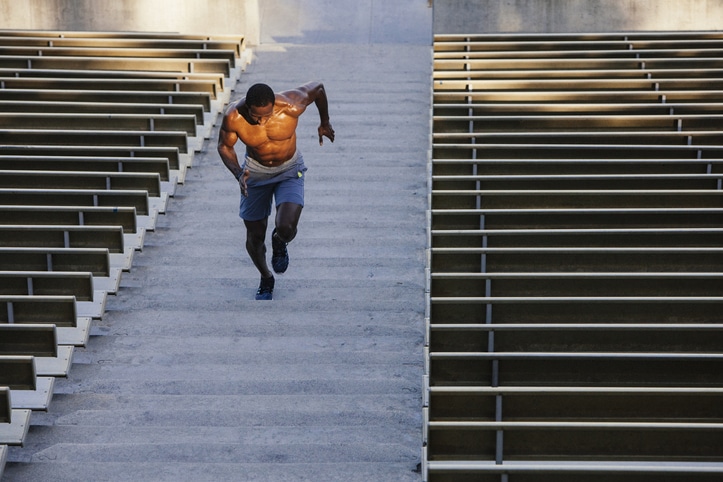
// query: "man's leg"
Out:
[256,246]
[287,219]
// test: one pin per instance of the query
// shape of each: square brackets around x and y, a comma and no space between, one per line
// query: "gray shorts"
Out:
[287,186]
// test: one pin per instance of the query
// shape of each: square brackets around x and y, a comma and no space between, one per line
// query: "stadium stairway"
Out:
[183,376]
[573,262]
[574,319]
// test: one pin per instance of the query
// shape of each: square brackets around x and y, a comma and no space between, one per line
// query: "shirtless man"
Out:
[273,168]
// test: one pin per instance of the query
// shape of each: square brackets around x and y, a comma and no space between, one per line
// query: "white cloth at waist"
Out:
[259,171]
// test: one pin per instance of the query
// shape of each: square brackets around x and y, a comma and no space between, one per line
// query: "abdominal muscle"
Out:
[273,153]
[274,143]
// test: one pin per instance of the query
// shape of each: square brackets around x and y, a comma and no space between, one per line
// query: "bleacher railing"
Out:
[574,308]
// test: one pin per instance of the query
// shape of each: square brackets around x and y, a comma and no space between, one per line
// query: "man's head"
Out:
[259,95]
[259,103]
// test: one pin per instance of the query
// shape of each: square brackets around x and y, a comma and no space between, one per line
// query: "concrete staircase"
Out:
[186,377]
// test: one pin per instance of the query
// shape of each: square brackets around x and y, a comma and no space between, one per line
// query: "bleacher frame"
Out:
[99,128]
[573,256]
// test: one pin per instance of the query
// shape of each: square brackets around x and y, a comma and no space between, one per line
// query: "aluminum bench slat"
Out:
[146,165]
[119,96]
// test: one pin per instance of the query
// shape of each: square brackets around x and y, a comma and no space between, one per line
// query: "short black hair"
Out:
[260,95]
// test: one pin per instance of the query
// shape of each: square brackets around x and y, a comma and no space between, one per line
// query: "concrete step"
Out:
[182,471]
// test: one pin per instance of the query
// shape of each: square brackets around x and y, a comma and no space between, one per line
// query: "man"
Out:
[273,168]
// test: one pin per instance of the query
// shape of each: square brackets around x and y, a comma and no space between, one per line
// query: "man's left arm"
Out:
[314,92]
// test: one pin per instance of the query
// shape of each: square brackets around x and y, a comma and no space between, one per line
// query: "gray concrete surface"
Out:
[323,20]
[186,16]
[562,16]
[187,378]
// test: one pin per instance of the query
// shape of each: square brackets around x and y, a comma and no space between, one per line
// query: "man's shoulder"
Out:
[290,102]
[233,107]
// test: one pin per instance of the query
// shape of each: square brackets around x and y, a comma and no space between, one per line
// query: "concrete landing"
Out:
[187,378]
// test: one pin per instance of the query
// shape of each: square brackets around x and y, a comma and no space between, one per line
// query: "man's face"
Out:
[260,115]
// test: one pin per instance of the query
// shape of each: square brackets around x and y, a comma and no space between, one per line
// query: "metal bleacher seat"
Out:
[575,264]
[29,390]
[60,311]
[97,261]
[40,342]
[147,207]
[97,130]
[90,301]
[14,423]
[77,220]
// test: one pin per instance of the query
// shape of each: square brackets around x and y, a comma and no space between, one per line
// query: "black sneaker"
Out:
[266,289]
[280,257]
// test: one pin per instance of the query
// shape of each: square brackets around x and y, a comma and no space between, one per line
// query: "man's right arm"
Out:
[226,141]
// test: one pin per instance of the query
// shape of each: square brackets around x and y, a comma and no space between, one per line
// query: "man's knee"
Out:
[286,232]
[255,233]
[287,220]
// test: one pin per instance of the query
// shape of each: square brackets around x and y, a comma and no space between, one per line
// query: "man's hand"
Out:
[242,182]
[325,129]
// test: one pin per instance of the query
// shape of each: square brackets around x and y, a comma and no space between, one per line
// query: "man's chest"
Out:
[275,130]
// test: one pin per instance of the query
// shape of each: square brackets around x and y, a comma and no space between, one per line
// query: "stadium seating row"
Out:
[97,130]
[574,265]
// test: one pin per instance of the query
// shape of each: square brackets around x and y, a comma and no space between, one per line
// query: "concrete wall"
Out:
[559,16]
[185,16]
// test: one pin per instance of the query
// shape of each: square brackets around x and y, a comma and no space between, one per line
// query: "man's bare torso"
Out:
[271,140]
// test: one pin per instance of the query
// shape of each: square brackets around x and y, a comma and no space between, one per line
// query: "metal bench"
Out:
[14,424]
[581,107]
[60,107]
[70,83]
[147,165]
[621,166]
[203,121]
[577,198]
[589,96]
[176,160]
[57,49]
[577,218]
[634,404]
[508,150]
[131,139]
[96,261]
[125,40]
[584,138]
[147,208]
[105,216]
[40,342]
[624,123]
[29,391]
[120,96]
[581,441]
[114,63]
[43,283]
[569,279]
[90,302]
[653,84]
[102,121]
[472,185]
[566,309]
[579,238]
[580,337]
[60,311]
[67,179]
[576,369]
